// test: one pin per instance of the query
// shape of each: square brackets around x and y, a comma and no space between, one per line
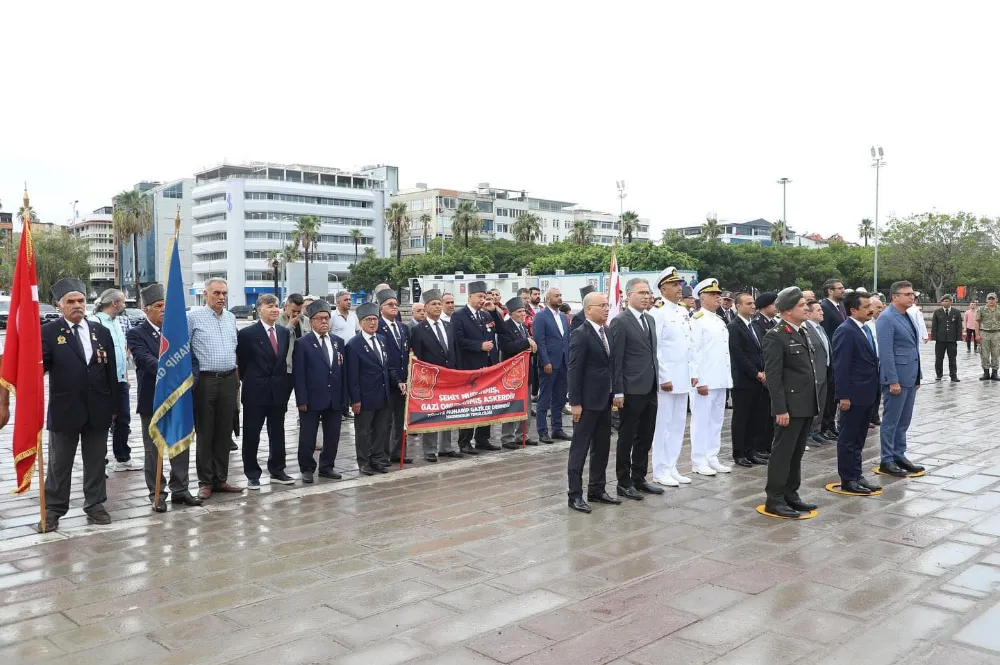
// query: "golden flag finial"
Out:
[25,198]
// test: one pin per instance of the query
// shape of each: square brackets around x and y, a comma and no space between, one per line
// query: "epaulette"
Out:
[698,314]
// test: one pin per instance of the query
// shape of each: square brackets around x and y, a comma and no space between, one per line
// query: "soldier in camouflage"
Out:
[989,329]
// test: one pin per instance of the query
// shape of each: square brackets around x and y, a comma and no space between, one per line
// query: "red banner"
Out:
[444,399]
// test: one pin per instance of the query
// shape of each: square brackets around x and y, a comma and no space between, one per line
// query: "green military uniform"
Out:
[989,328]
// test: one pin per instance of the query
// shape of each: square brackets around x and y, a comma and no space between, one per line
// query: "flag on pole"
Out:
[172,425]
[614,288]
[22,371]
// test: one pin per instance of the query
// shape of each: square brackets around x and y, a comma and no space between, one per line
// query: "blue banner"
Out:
[172,426]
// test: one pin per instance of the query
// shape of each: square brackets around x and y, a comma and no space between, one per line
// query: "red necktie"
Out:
[274,341]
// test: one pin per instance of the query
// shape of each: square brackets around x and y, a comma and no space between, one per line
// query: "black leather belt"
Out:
[217,375]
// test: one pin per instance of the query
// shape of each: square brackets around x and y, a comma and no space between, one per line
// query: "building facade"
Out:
[241,213]
[756,230]
[97,230]
[499,209]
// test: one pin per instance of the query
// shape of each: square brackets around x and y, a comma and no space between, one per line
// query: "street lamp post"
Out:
[877,164]
[620,184]
[784,201]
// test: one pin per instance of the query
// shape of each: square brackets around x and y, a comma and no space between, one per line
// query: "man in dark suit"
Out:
[320,380]
[261,357]
[514,340]
[766,310]
[83,401]
[368,384]
[144,344]
[397,337]
[590,400]
[946,329]
[727,309]
[788,364]
[750,401]
[856,372]
[551,334]
[633,377]
[431,341]
[473,330]
[823,364]
[833,316]
[580,317]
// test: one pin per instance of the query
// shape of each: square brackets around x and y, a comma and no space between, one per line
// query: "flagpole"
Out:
[406,410]
[159,453]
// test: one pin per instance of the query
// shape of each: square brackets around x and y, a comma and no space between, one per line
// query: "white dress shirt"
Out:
[559,320]
[88,346]
[372,343]
[439,325]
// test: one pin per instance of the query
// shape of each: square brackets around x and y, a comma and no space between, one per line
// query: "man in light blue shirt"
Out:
[111,305]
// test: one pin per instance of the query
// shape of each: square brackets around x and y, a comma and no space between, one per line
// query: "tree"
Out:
[866,230]
[671,237]
[274,260]
[397,223]
[582,232]
[780,232]
[711,230]
[369,272]
[527,227]
[131,217]
[629,225]
[306,235]
[425,227]
[32,215]
[60,255]
[356,237]
[466,220]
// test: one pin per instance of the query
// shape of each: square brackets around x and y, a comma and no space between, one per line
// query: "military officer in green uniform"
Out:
[989,328]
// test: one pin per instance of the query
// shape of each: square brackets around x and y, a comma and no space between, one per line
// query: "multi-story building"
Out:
[243,212]
[756,230]
[97,229]
[499,209]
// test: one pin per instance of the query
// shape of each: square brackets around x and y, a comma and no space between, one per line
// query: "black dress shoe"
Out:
[604,497]
[531,442]
[578,503]
[186,498]
[468,450]
[955,379]
[367,470]
[99,516]
[160,506]
[795,503]
[331,474]
[939,378]
[545,438]
[380,469]
[780,509]
[818,440]
[764,456]
[453,453]
[307,477]
[629,493]
[561,436]
[643,486]
[909,466]
[854,487]
[870,486]
[406,460]
[876,421]
[431,458]
[487,446]
[510,446]
[742,461]
[757,459]
[828,435]
[49,526]
[892,469]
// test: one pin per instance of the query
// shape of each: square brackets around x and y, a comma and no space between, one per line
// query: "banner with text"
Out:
[445,399]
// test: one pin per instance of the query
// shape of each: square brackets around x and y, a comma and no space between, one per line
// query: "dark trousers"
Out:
[120,427]
[940,348]
[309,422]
[784,469]
[829,405]
[179,465]
[875,408]
[62,451]
[551,399]
[254,418]
[749,415]
[765,426]
[215,402]
[592,432]
[371,436]
[635,437]
[851,441]
[395,441]
[970,338]
[465,436]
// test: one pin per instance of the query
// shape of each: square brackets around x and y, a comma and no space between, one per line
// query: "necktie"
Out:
[440,335]
[326,350]
[274,340]
[642,322]
[840,309]
[79,342]
[377,349]
[395,333]
[604,340]
[753,333]
[868,334]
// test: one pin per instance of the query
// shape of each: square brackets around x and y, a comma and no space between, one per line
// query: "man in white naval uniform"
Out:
[673,355]
[711,370]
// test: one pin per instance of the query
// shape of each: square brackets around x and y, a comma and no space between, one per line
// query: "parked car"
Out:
[4,312]
[240,311]
[135,316]
[48,313]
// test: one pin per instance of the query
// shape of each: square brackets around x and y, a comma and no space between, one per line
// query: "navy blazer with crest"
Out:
[469,333]
[367,376]
[399,354]
[319,385]
[144,343]
[81,394]
[855,366]
[263,373]
[427,347]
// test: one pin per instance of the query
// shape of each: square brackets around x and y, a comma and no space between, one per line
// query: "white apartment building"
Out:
[96,228]
[499,209]
[242,212]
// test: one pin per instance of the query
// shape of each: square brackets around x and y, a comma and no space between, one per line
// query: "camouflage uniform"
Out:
[989,329]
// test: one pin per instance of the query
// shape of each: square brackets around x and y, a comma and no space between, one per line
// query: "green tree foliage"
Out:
[57,255]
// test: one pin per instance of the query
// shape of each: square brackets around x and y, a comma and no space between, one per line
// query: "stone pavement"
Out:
[480,561]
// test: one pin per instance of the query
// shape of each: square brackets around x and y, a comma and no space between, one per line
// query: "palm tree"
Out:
[32,215]
[670,236]
[581,233]
[780,232]
[306,235]
[425,226]
[356,237]
[397,222]
[131,217]
[711,230]
[629,225]
[466,220]
[866,229]
[274,260]
[527,227]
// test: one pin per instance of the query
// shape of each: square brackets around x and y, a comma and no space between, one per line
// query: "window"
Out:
[285,217]
[417,205]
[567,224]
[211,237]
[286,236]
[211,256]
[218,217]
[211,199]
[175,191]
[259,275]
[216,274]
[503,228]
[555,238]
[644,228]
[485,206]
[448,202]
[416,242]
[545,238]
[314,200]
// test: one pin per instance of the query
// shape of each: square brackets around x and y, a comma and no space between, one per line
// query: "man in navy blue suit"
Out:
[261,351]
[397,338]
[144,344]
[856,381]
[320,391]
[899,374]
[551,334]
[474,342]
[368,384]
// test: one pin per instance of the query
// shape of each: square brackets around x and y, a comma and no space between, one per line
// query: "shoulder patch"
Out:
[698,314]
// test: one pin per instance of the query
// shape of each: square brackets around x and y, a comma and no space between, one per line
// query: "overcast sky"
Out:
[698,106]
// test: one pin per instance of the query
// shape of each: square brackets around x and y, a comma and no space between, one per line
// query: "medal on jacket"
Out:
[60,340]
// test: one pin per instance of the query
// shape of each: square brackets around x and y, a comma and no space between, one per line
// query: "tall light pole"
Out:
[784,205]
[620,184]
[877,164]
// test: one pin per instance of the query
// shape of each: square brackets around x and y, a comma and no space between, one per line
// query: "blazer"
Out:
[833,316]
[514,339]
[822,360]
[898,348]
[320,385]
[427,347]
[727,315]
[367,377]
[855,366]
[746,355]
[589,369]
[470,331]
[144,343]
[553,347]
[264,375]
[81,394]
[791,380]
[399,354]
[633,354]
[946,327]
[576,322]
[762,323]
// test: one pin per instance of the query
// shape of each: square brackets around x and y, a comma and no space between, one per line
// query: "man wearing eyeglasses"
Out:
[899,376]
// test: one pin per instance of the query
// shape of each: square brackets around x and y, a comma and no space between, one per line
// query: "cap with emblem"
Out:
[386,294]
[515,304]
[765,299]
[431,294]
[586,290]
[709,285]
[68,285]
[788,298]
[991,296]
[317,306]
[366,310]
[669,276]
[152,293]
[477,287]
[727,295]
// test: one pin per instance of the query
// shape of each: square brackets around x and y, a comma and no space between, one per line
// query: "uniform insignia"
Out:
[698,314]
[788,329]
[60,340]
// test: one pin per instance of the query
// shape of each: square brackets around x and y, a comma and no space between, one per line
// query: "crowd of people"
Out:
[796,369]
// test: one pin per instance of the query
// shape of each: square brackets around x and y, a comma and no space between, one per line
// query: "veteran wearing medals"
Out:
[79,357]
[712,376]
[369,386]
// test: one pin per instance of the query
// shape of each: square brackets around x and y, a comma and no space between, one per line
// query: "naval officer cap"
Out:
[68,285]
[386,294]
[709,285]
[477,287]
[788,298]
[366,310]
[668,276]
[765,299]
[152,294]
[318,306]
[585,291]
[515,304]
[431,294]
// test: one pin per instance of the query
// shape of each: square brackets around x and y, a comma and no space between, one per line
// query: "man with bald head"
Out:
[551,333]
